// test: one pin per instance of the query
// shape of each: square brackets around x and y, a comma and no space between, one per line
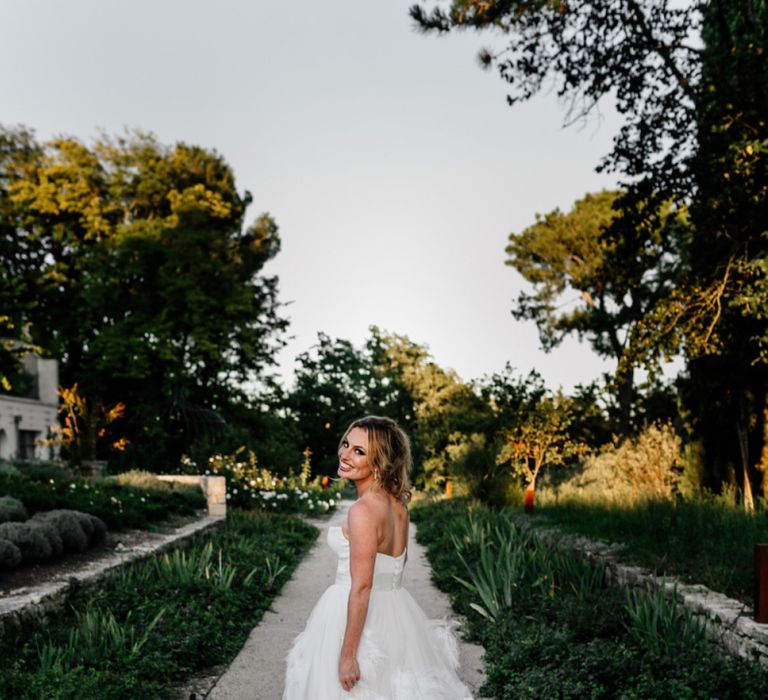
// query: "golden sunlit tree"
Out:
[541,439]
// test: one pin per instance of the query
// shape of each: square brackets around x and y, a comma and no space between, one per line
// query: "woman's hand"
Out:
[349,673]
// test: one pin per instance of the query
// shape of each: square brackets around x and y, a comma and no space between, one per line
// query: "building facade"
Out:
[25,421]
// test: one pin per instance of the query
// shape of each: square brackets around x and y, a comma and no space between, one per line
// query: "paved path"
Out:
[258,670]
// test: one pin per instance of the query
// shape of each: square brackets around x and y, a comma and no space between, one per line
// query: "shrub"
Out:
[8,468]
[118,506]
[12,509]
[70,528]
[646,467]
[43,471]
[251,486]
[99,532]
[472,462]
[10,555]
[51,533]
[31,541]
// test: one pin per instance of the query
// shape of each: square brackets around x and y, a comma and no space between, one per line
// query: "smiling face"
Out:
[353,458]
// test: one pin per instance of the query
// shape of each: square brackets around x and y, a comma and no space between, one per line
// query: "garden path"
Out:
[258,670]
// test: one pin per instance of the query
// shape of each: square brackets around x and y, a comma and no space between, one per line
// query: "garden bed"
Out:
[150,626]
[551,628]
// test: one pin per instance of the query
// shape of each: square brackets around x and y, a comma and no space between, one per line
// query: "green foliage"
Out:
[707,540]
[37,471]
[473,468]
[77,530]
[615,281]
[96,634]
[570,639]
[689,81]
[129,638]
[9,469]
[49,534]
[647,466]
[252,486]
[30,540]
[147,481]
[120,507]
[332,387]
[541,438]
[661,624]
[11,509]
[10,555]
[149,244]
[393,376]
[508,564]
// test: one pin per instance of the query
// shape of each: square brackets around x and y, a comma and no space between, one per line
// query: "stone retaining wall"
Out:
[31,605]
[729,621]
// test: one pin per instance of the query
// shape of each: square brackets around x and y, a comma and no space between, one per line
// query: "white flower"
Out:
[229,495]
[331,502]
[143,500]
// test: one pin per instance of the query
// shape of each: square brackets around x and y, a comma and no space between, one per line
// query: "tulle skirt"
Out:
[402,654]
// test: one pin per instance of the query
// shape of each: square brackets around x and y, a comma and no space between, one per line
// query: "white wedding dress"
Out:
[402,654]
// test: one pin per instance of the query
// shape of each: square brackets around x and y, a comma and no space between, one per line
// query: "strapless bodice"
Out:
[387,571]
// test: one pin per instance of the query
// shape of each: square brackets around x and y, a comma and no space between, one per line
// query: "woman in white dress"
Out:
[367,638]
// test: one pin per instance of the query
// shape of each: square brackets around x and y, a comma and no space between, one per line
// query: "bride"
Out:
[367,638]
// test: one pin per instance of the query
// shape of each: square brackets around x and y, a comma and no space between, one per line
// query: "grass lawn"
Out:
[702,541]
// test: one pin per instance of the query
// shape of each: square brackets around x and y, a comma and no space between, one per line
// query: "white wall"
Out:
[36,414]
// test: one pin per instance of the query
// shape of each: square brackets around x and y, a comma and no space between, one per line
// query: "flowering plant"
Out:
[249,485]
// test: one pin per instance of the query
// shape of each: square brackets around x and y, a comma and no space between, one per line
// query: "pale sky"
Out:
[390,161]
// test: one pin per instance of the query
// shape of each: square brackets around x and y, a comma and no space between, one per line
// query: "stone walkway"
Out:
[258,670]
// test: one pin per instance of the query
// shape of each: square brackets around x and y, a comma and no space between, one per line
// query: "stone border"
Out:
[729,621]
[33,605]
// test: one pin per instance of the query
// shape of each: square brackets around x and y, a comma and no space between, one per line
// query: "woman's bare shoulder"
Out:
[364,509]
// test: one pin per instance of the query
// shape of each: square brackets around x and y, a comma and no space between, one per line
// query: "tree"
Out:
[332,387]
[640,53]
[389,375]
[507,395]
[540,439]
[143,280]
[431,402]
[594,284]
[691,83]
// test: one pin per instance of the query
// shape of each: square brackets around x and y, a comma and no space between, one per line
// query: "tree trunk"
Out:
[530,493]
[742,429]
[626,396]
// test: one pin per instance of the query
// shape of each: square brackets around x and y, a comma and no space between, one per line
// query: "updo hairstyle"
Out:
[389,454]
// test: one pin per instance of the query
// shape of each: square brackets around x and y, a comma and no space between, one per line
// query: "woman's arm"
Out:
[363,543]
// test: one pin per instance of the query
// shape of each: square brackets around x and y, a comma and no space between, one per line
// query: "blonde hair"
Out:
[389,453]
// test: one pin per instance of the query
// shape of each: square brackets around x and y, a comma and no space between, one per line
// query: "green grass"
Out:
[153,624]
[560,634]
[704,541]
